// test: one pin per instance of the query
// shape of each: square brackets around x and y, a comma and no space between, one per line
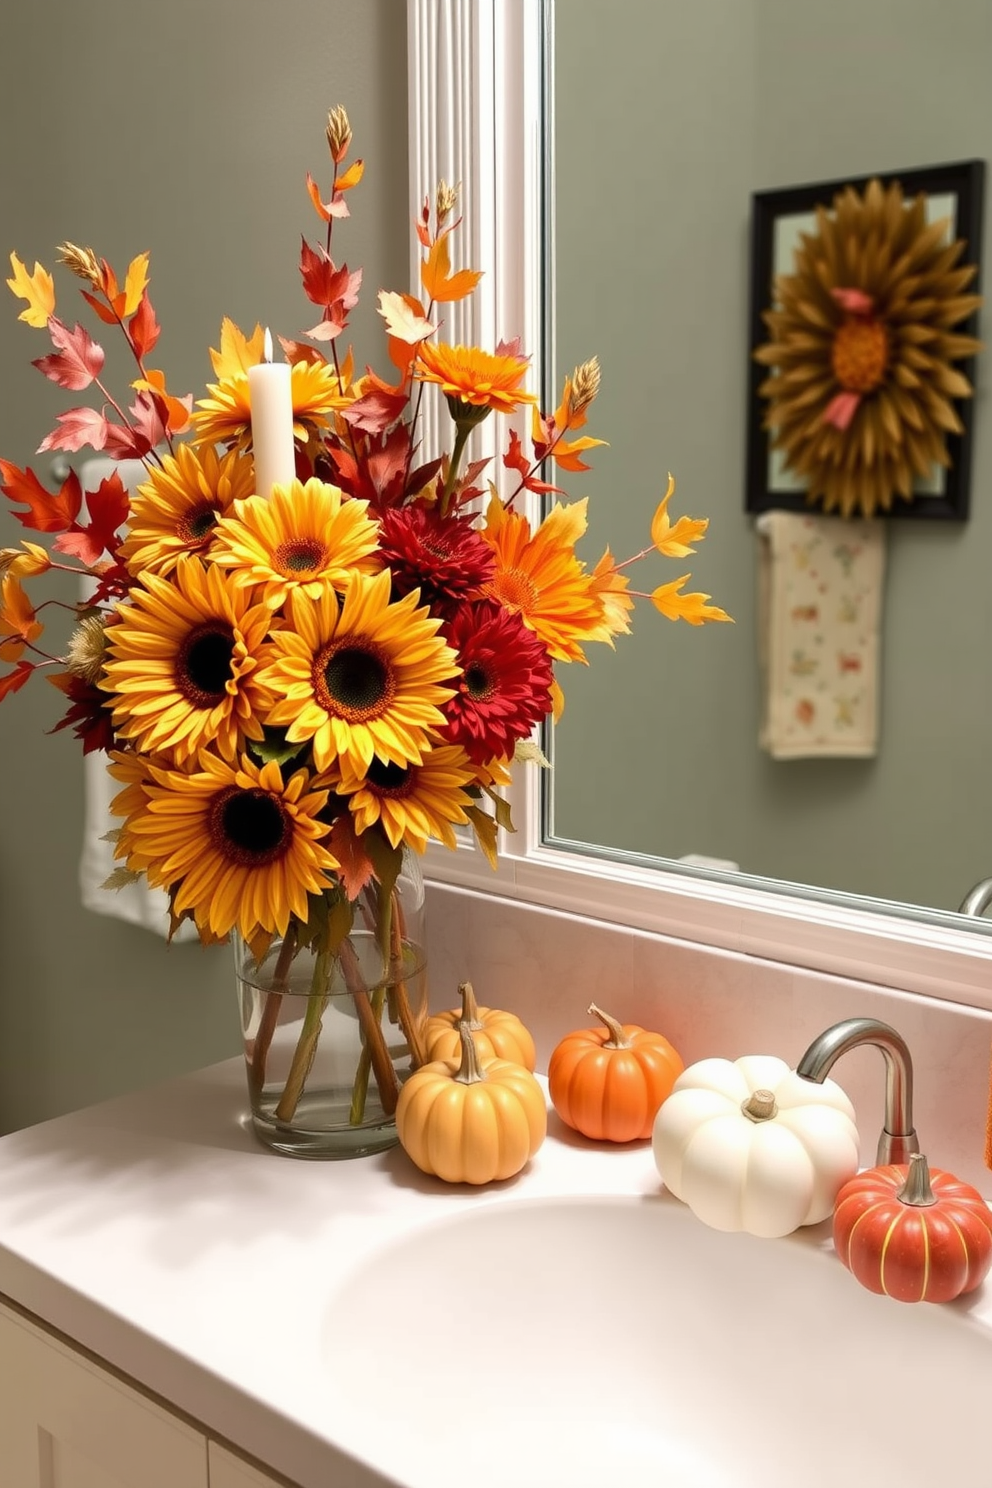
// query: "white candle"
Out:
[270,391]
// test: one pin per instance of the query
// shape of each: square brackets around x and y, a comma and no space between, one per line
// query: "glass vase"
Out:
[330,1036]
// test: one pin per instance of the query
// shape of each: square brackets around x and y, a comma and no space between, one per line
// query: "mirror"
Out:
[664,120]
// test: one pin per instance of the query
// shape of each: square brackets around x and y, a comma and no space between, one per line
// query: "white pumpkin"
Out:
[750,1145]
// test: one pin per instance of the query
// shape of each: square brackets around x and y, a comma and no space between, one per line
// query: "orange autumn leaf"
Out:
[438,280]
[691,607]
[237,351]
[177,410]
[17,619]
[38,288]
[351,177]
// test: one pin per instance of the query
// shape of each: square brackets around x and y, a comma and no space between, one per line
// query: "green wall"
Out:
[668,117]
[188,130]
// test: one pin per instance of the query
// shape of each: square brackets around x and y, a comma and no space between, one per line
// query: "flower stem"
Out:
[374,1055]
[270,1013]
[306,1045]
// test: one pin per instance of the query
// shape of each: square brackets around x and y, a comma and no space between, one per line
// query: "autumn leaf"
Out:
[484,828]
[176,410]
[566,453]
[326,284]
[13,681]
[404,317]
[78,428]
[436,276]
[17,619]
[77,360]
[515,459]
[354,865]
[675,542]
[143,328]
[37,288]
[108,508]
[237,352]
[528,751]
[47,512]
[135,284]
[379,406]
[351,177]
[690,607]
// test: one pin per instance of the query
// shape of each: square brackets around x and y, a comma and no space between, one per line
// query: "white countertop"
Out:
[155,1231]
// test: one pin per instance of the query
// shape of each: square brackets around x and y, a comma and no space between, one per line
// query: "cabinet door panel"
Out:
[66,1423]
[229,1471]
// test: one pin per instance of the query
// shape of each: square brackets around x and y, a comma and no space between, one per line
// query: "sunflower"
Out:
[861,342]
[539,577]
[466,374]
[225,417]
[175,511]
[443,557]
[505,687]
[306,537]
[359,679]
[236,845]
[184,654]
[413,801]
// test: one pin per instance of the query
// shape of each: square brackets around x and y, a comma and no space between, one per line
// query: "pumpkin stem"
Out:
[470,1071]
[917,1189]
[617,1038]
[470,1008]
[759,1106]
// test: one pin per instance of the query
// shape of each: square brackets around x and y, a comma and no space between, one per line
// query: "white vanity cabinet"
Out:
[65,1422]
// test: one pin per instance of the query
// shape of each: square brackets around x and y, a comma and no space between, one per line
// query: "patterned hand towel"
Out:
[820,583]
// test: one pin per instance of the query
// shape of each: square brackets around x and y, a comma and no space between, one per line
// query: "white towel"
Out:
[820,587]
[136,903]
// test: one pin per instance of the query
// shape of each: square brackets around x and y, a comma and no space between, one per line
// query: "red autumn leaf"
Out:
[144,328]
[150,415]
[108,507]
[324,283]
[515,459]
[376,410]
[47,512]
[77,359]
[104,311]
[78,427]
[13,681]
[87,715]
[298,351]
[355,869]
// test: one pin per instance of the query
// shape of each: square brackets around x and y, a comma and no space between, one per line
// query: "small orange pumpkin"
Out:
[608,1083]
[913,1234]
[497,1034]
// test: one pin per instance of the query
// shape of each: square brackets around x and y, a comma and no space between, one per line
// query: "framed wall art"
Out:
[863,335]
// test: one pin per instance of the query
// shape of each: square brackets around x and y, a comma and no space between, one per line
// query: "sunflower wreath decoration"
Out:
[862,343]
[298,677]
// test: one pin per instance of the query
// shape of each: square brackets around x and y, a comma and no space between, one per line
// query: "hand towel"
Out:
[136,903]
[820,590]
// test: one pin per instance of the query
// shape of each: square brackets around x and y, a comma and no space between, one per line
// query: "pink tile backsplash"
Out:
[547,966]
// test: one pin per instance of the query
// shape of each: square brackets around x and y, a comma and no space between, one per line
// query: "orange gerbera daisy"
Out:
[176,509]
[467,375]
[539,576]
[303,536]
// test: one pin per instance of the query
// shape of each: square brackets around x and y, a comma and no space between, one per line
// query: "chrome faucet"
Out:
[978,899]
[898,1138]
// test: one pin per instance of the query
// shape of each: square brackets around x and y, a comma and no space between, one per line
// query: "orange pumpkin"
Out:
[608,1083]
[496,1034]
[913,1234]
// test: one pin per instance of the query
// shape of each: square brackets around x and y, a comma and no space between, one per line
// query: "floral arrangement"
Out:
[300,674]
[862,342]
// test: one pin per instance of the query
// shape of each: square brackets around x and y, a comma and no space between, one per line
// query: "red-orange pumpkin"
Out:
[913,1234]
[608,1083]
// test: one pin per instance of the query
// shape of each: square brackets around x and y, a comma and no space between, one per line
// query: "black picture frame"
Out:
[963,181]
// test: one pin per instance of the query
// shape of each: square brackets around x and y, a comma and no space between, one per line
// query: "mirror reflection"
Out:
[665,120]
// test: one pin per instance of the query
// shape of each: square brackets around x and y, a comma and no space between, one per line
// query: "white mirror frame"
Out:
[475,100]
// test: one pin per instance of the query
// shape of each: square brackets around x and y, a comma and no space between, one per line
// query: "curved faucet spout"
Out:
[898,1138]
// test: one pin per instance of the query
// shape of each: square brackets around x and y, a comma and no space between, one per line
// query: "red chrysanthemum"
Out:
[506,686]
[443,557]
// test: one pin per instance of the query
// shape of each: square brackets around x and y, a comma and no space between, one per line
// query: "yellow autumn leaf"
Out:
[404,317]
[485,832]
[37,288]
[25,562]
[351,177]
[557,701]
[675,542]
[237,351]
[136,283]
[438,280]
[691,607]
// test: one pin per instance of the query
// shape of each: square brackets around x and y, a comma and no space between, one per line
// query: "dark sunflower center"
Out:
[387,779]
[859,354]
[303,555]
[197,524]
[252,827]
[478,682]
[203,665]
[354,681]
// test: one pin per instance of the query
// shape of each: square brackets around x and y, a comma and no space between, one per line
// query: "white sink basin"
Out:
[562,1343]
